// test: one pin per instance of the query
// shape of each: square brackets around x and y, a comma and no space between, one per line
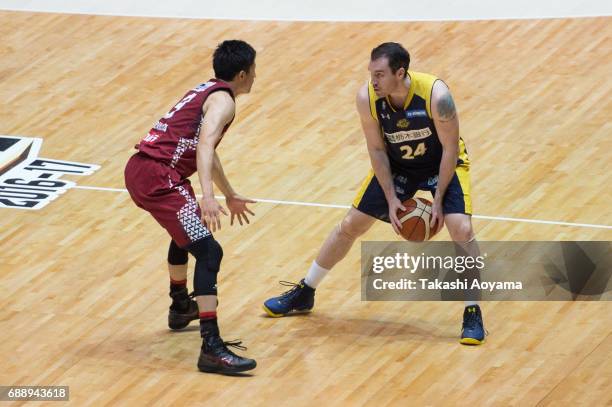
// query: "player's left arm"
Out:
[218,111]
[447,126]
[219,178]
[236,203]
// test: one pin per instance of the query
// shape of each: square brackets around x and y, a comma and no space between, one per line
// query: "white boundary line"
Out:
[100,188]
[322,205]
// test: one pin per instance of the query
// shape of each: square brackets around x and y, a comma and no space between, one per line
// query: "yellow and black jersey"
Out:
[409,133]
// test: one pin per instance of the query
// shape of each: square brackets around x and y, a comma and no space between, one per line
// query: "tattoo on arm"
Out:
[446,108]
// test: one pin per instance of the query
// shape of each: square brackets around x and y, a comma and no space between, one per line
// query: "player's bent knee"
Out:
[350,228]
[177,256]
[462,231]
[208,252]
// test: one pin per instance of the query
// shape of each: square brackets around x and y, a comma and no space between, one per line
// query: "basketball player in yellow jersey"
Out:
[412,135]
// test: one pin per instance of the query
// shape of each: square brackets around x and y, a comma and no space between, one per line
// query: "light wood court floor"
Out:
[84,287]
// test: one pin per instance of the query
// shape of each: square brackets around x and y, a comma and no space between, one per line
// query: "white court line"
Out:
[322,205]
[545,222]
[100,188]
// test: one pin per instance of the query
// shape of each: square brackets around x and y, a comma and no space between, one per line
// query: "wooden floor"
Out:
[84,285]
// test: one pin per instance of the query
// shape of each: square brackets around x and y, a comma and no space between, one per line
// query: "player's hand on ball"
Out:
[211,213]
[395,205]
[237,206]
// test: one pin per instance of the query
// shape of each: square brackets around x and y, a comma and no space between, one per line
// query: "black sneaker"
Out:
[183,309]
[299,299]
[215,357]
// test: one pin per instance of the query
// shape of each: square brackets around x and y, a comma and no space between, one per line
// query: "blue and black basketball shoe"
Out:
[298,299]
[473,332]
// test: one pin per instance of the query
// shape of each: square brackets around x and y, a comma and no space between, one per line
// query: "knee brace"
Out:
[176,255]
[208,254]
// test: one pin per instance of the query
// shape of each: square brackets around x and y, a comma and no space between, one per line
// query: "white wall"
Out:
[340,10]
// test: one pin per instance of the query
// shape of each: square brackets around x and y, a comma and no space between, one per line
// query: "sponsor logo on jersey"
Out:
[159,126]
[30,182]
[401,179]
[433,181]
[416,113]
[403,124]
[150,138]
[408,135]
[202,87]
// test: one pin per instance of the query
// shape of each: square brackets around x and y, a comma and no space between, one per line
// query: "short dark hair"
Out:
[231,57]
[396,54]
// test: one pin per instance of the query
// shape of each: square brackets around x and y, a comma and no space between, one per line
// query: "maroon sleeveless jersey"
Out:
[174,137]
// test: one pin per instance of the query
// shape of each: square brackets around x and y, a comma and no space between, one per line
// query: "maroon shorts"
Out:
[159,190]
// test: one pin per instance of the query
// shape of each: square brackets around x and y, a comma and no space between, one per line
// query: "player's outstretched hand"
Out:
[211,213]
[395,205]
[237,206]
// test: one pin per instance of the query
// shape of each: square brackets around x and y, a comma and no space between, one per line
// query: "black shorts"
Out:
[371,199]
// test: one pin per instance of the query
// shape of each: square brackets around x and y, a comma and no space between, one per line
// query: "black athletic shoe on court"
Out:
[183,309]
[472,332]
[215,357]
[298,299]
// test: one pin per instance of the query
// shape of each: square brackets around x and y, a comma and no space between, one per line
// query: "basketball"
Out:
[415,220]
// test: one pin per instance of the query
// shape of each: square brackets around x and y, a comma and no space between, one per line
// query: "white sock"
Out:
[315,275]
[468,303]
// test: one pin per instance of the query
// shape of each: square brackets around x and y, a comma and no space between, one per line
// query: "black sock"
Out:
[180,297]
[176,286]
[208,324]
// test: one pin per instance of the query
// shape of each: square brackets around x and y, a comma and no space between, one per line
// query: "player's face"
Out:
[383,80]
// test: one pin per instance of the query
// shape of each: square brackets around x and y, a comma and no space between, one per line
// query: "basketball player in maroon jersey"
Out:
[179,144]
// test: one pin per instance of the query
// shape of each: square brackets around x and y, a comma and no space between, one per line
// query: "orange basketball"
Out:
[415,220]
